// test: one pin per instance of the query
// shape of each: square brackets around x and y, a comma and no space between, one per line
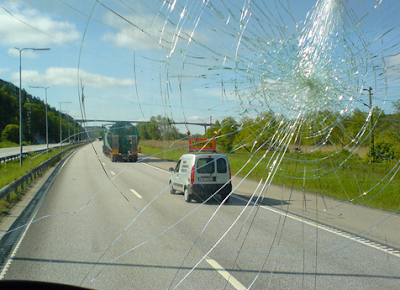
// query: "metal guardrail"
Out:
[5,159]
[25,179]
[8,158]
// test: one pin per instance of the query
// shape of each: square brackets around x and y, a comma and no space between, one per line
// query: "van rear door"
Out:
[205,169]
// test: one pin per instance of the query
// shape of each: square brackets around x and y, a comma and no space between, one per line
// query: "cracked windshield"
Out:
[200,144]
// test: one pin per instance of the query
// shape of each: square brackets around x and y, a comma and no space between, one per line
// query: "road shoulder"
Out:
[367,223]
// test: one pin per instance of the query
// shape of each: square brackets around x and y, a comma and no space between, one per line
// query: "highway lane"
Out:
[131,233]
[4,152]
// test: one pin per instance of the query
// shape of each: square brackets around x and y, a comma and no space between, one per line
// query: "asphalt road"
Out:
[4,152]
[131,233]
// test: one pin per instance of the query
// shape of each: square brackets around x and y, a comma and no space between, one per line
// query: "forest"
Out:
[33,117]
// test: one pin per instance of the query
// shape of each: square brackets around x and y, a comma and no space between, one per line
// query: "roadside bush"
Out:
[10,133]
[384,151]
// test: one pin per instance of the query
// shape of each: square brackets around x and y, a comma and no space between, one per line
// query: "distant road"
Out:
[4,152]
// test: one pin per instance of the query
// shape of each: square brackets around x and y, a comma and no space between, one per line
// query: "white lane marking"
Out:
[135,193]
[103,163]
[18,244]
[152,166]
[16,248]
[338,232]
[112,172]
[232,280]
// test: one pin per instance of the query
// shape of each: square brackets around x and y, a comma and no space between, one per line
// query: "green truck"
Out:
[121,142]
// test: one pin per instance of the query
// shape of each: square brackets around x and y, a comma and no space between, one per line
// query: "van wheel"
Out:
[171,189]
[187,196]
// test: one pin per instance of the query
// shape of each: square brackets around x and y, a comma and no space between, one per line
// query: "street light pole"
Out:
[20,101]
[47,123]
[61,121]
[69,132]
[371,136]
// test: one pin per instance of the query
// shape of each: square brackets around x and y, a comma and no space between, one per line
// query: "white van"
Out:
[200,175]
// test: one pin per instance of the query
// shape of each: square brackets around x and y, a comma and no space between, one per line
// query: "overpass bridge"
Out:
[205,125]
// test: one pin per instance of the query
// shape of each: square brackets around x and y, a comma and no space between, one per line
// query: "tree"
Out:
[266,128]
[247,134]
[10,133]
[226,134]
[158,128]
[143,132]
[210,133]
[8,109]
[396,106]
[354,126]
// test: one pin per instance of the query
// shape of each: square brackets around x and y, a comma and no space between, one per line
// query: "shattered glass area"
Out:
[307,88]
[307,71]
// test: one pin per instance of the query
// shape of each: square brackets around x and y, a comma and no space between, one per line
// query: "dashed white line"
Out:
[335,231]
[162,170]
[112,172]
[135,193]
[232,280]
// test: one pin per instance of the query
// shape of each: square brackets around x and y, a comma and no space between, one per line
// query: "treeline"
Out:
[324,128]
[159,128]
[33,118]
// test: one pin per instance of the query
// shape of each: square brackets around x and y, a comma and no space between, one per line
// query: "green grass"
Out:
[319,173]
[164,149]
[7,144]
[12,170]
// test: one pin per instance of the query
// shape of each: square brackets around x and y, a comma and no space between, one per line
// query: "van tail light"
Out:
[192,175]
[230,173]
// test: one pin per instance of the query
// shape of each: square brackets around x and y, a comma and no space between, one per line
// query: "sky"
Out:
[199,61]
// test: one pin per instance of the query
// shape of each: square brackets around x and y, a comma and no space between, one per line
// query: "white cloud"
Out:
[144,35]
[195,118]
[393,65]
[67,77]
[29,27]
[143,32]
[4,70]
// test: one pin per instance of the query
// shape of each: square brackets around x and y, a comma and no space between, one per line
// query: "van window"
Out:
[221,165]
[177,166]
[205,165]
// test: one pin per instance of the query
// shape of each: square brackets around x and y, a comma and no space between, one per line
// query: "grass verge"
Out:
[338,175]
[7,144]
[12,170]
